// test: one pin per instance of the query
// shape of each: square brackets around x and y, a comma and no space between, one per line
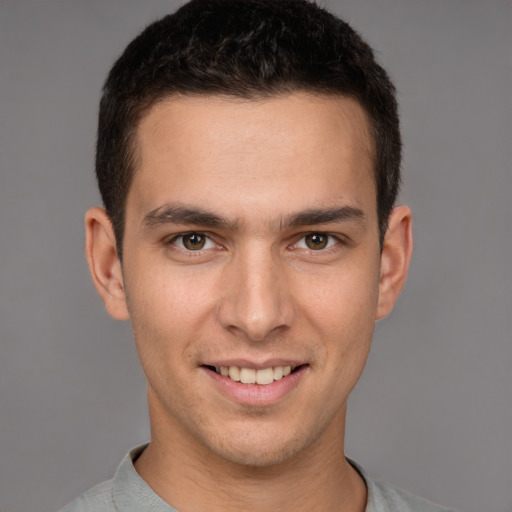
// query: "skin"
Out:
[255,292]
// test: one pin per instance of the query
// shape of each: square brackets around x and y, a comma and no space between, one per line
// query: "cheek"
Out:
[164,331]
[166,297]
[165,314]
[342,300]
[342,312]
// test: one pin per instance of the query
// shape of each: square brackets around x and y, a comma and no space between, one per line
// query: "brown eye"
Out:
[317,241]
[194,241]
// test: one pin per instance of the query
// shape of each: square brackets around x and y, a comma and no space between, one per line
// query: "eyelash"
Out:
[173,242]
[332,242]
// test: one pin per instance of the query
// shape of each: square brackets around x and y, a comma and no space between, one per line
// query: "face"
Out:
[251,270]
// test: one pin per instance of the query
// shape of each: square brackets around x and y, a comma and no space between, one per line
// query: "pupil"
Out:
[316,241]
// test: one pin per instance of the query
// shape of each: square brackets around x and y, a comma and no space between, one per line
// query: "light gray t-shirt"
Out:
[128,492]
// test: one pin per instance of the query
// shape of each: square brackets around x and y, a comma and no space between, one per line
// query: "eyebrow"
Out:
[326,216]
[178,214]
[181,214]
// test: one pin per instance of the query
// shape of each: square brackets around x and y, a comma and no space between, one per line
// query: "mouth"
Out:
[262,377]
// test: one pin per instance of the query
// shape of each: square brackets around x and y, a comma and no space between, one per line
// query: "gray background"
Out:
[433,411]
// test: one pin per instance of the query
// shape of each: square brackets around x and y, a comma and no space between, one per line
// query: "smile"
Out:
[262,377]
[257,385]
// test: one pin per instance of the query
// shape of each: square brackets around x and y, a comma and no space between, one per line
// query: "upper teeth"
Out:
[251,376]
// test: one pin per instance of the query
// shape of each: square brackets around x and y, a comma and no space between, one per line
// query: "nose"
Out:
[257,300]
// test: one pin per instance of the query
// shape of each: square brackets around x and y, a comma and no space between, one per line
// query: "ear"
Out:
[395,259]
[104,264]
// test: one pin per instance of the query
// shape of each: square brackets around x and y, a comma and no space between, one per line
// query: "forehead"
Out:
[234,154]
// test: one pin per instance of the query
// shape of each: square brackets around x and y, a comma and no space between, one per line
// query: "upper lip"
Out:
[255,365]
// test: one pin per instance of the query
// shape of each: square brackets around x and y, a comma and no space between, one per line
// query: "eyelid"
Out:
[337,238]
[334,240]
[179,236]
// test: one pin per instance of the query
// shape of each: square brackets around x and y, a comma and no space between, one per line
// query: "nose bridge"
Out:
[258,299]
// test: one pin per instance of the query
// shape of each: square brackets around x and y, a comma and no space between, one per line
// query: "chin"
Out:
[256,450]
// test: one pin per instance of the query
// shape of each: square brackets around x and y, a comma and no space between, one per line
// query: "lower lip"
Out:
[257,394]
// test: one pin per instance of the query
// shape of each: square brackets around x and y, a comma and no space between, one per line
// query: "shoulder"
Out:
[98,499]
[387,498]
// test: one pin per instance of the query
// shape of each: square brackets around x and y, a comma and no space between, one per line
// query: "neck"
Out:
[190,477]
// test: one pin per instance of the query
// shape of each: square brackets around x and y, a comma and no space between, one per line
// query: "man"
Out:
[248,159]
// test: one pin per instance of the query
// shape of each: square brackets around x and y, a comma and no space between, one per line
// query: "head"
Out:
[248,157]
[250,50]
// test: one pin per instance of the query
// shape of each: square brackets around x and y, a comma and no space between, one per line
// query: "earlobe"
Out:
[395,259]
[104,264]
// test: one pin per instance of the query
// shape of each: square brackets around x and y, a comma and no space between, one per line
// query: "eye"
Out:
[193,241]
[316,242]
